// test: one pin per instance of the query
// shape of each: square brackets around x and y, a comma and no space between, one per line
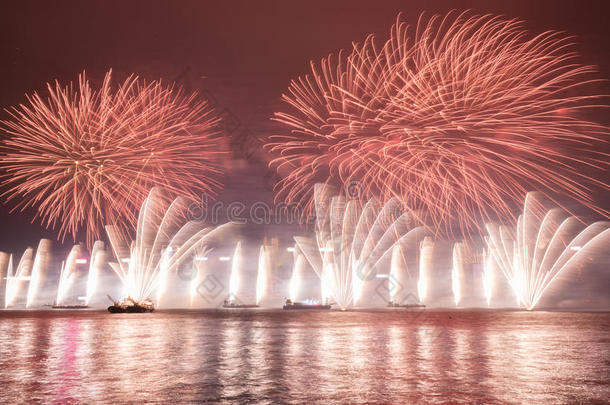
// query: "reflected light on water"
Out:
[275,356]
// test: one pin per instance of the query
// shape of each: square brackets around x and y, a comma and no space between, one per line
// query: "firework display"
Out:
[67,275]
[85,157]
[545,243]
[16,278]
[351,240]
[457,117]
[399,148]
[164,239]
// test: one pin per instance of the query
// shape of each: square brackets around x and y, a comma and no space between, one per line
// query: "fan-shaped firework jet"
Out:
[545,243]
[398,271]
[28,270]
[426,250]
[83,157]
[67,275]
[162,276]
[234,278]
[16,278]
[98,259]
[4,259]
[465,256]
[457,271]
[164,239]
[70,272]
[457,118]
[352,239]
[264,270]
[488,276]
[200,261]
[327,278]
[39,267]
[300,263]
[402,284]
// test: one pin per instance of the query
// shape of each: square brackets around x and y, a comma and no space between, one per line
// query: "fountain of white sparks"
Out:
[39,267]
[164,239]
[30,269]
[296,279]
[16,278]
[264,271]
[352,238]
[426,252]
[67,275]
[545,242]
[488,277]
[97,261]
[234,278]
[199,269]
[71,270]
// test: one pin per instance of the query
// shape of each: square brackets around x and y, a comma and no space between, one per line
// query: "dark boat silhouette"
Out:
[394,304]
[76,306]
[129,305]
[230,304]
[289,305]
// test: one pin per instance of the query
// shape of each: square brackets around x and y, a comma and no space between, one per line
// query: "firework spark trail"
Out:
[84,158]
[458,119]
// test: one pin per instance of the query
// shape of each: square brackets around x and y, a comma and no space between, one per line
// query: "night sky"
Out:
[241,54]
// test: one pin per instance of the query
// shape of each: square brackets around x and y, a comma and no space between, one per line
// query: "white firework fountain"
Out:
[545,242]
[30,269]
[164,239]
[352,238]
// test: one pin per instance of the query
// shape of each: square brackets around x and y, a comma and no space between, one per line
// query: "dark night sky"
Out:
[247,50]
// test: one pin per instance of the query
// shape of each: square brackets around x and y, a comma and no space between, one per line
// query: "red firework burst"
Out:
[459,119]
[85,158]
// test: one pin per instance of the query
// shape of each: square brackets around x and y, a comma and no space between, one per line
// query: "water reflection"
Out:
[271,356]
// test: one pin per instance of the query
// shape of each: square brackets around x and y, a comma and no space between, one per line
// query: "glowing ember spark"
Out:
[458,119]
[83,158]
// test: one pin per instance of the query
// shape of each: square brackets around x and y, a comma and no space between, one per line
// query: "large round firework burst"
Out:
[84,158]
[459,118]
